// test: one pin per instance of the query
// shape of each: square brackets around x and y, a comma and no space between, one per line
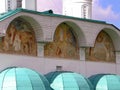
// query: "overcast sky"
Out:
[105,10]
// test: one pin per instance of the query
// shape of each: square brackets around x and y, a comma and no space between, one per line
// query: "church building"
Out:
[48,42]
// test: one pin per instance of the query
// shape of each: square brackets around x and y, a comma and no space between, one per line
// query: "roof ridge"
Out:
[47,13]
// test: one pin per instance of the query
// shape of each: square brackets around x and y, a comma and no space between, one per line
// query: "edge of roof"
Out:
[6,15]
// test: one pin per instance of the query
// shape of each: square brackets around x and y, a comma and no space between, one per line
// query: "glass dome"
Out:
[105,82]
[68,81]
[22,79]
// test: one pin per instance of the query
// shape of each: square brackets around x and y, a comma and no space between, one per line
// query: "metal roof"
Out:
[47,13]
[61,80]
[22,79]
[105,81]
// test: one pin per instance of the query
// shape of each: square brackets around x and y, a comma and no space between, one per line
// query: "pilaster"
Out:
[82,54]
[40,49]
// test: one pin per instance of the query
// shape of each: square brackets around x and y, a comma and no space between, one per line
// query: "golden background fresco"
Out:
[19,39]
[64,44]
[103,49]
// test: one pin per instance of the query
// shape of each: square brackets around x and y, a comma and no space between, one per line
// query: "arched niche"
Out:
[103,49]
[34,24]
[78,33]
[19,38]
[64,45]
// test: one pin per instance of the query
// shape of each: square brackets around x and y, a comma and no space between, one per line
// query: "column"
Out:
[40,49]
[117,57]
[82,53]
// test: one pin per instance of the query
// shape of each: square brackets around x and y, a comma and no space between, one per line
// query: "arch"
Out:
[34,24]
[36,27]
[114,35]
[79,34]
[103,49]
[19,38]
[66,41]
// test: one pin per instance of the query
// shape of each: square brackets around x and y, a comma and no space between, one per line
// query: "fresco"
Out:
[19,39]
[103,49]
[64,44]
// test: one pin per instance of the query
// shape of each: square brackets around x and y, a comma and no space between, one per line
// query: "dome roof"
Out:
[68,81]
[22,79]
[105,82]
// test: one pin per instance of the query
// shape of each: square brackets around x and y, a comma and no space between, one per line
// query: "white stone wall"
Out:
[46,65]
[29,4]
[78,8]
[44,27]
[2,6]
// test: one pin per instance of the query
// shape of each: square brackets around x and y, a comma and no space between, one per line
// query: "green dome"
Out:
[105,82]
[22,79]
[68,81]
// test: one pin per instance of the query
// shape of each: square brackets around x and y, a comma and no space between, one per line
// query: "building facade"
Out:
[8,5]
[12,4]
[47,42]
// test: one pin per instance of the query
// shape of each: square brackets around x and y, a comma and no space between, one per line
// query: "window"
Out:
[9,5]
[19,3]
[85,11]
[59,68]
